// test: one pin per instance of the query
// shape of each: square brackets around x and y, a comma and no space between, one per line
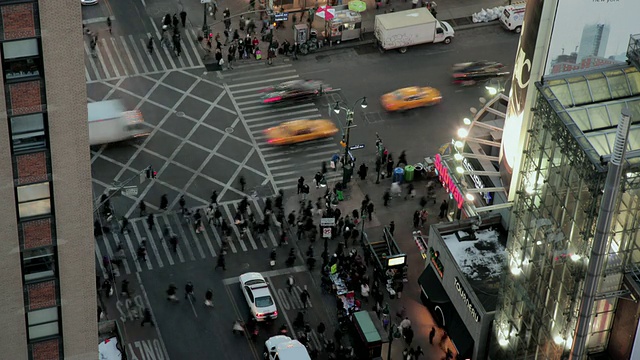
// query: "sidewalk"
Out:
[454,11]
[401,212]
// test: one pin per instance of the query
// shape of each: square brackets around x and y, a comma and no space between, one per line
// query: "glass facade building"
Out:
[552,225]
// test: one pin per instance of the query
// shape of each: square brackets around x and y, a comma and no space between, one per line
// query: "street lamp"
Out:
[347,169]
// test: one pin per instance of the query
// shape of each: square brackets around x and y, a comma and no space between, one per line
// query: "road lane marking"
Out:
[125,262]
[272,80]
[184,237]
[138,55]
[117,52]
[152,242]
[153,316]
[280,115]
[235,228]
[126,49]
[132,251]
[164,239]
[113,63]
[140,239]
[270,273]
[196,239]
[178,250]
[153,64]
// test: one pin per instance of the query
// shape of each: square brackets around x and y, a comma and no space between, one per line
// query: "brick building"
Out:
[47,264]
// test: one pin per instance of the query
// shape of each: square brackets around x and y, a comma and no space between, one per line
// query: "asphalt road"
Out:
[210,104]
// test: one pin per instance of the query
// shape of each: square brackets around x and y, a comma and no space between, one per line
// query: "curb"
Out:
[347,45]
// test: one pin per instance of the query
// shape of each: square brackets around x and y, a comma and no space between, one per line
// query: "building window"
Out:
[43,323]
[34,200]
[38,263]
[28,132]
[21,59]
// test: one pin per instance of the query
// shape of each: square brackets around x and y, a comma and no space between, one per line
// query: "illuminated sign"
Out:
[475,178]
[435,260]
[396,260]
[447,181]
[467,301]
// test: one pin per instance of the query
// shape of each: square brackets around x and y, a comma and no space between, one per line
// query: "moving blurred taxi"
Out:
[410,98]
[296,131]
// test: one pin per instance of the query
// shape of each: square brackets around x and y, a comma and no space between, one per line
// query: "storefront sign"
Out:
[435,260]
[475,178]
[448,182]
[467,301]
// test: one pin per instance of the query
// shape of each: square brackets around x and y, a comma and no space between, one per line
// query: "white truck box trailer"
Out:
[399,30]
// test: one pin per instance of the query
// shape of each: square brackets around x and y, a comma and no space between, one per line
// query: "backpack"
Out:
[258,54]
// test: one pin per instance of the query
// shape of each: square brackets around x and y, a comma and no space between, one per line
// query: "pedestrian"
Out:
[290,282]
[399,288]
[175,21]
[214,197]
[143,208]
[416,219]
[362,172]
[109,23]
[405,354]
[173,240]
[271,53]
[164,202]
[370,209]
[414,4]
[386,197]
[389,166]
[392,227]
[177,48]
[166,20]
[241,23]
[183,18]
[294,50]
[141,253]
[320,330]
[150,46]
[300,184]
[220,263]
[150,221]
[214,8]
[317,179]
[208,298]
[242,182]
[364,291]
[304,297]
[230,59]
[405,323]
[217,217]
[410,191]
[125,225]
[146,317]
[408,335]
[432,334]
[417,353]
[443,209]
[182,202]
[424,216]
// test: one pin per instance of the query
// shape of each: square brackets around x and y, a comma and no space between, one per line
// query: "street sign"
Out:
[129,191]
[326,232]
[356,147]
[205,1]
[281,16]
[327,221]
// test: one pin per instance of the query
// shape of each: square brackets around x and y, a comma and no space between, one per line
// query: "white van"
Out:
[282,347]
[110,122]
[513,16]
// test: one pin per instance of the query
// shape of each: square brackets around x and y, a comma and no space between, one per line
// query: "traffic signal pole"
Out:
[125,183]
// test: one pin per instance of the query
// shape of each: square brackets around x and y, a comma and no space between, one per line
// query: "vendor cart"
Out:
[346,25]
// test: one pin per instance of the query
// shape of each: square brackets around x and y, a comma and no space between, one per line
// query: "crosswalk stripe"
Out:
[174,222]
[280,115]
[219,240]
[132,251]
[235,228]
[248,232]
[261,73]
[101,61]
[195,48]
[137,51]
[125,262]
[86,74]
[266,110]
[139,239]
[105,48]
[155,68]
[248,74]
[99,256]
[196,240]
[126,49]
[167,222]
[270,233]
[273,80]
[163,239]
[152,242]
[117,52]
[257,94]
[206,239]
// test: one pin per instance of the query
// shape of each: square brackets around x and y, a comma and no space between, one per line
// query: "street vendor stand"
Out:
[388,259]
[346,25]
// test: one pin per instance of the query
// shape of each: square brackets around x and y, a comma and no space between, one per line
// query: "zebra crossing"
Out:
[191,247]
[286,164]
[118,56]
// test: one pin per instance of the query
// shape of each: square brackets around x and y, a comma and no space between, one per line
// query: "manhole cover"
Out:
[180,114]
[229,130]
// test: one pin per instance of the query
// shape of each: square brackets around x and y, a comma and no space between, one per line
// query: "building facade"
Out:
[47,261]
[553,221]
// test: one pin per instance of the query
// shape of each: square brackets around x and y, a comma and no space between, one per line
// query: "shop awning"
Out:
[459,334]
[432,287]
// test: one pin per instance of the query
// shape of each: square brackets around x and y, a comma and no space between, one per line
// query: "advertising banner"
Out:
[520,83]
[591,33]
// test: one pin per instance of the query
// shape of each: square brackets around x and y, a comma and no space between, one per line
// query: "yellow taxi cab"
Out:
[410,98]
[296,131]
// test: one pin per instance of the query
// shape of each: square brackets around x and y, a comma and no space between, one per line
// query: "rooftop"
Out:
[480,255]
[589,104]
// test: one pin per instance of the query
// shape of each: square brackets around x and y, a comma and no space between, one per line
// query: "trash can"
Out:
[398,175]
[408,173]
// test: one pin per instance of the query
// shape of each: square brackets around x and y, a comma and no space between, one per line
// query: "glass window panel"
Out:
[44,330]
[634,81]
[580,117]
[42,316]
[561,91]
[27,123]
[34,208]
[599,117]
[619,86]
[33,192]
[580,92]
[20,48]
[599,89]
[38,264]
[20,68]
[28,132]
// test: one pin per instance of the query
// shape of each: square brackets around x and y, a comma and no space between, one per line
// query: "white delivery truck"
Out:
[399,30]
[281,347]
[513,16]
[110,122]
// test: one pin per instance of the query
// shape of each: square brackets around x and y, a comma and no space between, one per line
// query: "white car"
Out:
[256,292]
[282,347]
[88,2]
